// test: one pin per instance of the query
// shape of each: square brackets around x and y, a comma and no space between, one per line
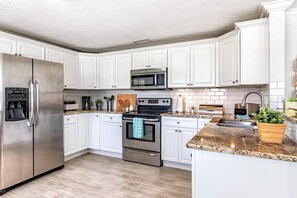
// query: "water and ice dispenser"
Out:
[16,104]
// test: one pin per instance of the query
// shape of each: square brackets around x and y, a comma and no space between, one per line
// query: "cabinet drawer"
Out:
[180,122]
[111,118]
[70,119]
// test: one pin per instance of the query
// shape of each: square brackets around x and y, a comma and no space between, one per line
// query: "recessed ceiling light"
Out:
[143,41]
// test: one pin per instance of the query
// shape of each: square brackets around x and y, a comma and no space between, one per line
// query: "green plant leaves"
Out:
[267,115]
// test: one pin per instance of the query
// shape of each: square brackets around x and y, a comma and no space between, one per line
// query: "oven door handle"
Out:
[145,120]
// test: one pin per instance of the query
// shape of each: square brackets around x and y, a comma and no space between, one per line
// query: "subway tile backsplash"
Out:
[192,97]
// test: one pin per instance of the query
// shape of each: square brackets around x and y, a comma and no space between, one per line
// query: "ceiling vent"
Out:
[143,41]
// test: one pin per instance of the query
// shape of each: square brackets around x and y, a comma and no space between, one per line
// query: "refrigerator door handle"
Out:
[31,105]
[37,103]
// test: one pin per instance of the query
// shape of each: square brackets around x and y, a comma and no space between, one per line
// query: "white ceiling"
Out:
[104,25]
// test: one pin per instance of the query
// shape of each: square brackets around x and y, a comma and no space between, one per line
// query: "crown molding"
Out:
[280,5]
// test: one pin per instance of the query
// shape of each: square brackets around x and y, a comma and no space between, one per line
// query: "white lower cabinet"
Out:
[94,131]
[176,132]
[111,133]
[70,134]
[82,132]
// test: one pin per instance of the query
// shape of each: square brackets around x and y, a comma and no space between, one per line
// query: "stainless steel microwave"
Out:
[143,79]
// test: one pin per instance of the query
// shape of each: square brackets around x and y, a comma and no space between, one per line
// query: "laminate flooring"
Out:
[93,175]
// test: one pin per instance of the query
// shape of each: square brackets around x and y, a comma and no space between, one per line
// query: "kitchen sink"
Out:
[238,123]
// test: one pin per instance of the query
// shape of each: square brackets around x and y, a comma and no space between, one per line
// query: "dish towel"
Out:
[138,132]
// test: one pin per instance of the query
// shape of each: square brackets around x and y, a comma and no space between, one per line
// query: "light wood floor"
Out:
[99,176]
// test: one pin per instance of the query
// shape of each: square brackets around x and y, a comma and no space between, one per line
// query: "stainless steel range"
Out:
[147,148]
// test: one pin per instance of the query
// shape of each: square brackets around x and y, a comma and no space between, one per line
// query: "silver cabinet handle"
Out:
[37,103]
[31,105]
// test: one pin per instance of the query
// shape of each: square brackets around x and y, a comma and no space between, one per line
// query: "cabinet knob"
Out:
[15,54]
[111,118]
[97,116]
[179,131]
[115,86]
[95,87]
[176,130]
[120,126]
[237,81]
[68,119]
[20,54]
[177,122]
[233,82]
[65,86]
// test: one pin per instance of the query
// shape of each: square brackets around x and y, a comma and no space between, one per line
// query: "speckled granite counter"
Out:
[241,142]
[91,111]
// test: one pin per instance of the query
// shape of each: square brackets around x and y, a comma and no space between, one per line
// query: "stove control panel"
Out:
[154,101]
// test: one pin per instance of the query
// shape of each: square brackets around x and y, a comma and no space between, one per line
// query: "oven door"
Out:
[151,139]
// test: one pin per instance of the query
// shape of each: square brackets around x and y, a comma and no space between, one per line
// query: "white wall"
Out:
[192,97]
[291,51]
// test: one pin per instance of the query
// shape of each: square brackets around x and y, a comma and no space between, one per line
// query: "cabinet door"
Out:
[88,72]
[82,132]
[140,60]
[30,50]
[254,53]
[54,56]
[122,71]
[70,139]
[170,144]
[185,154]
[94,131]
[178,67]
[228,65]
[158,58]
[71,71]
[7,45]
[111,137]
[203,64]
[107,72]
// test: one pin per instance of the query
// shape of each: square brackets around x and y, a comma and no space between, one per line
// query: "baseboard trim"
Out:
[75,155]
[106,153]
[177,165]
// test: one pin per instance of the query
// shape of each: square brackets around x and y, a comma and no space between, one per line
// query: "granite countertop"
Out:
[292,119]
[191,115]
[241,141]
[91,111]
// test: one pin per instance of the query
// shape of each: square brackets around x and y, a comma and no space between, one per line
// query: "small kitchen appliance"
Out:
[86,102]
[148,79]
[147,149]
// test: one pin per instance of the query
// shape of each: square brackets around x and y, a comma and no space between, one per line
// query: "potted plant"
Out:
[270,125]
[70,105]
[99,104]
[290,103]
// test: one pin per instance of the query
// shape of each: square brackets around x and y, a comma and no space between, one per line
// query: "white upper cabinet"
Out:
[7,45]
[115,71]
[178,67]
[107,70]
[254,52]
[122,71]
[150,59]
[71,71]
[228,59]
[88,72]
[203,65]
[54,55]
[31,49]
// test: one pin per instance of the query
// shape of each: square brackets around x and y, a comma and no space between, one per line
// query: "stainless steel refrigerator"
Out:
[31,118]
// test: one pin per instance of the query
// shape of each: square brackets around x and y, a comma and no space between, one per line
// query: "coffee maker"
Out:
[86,103]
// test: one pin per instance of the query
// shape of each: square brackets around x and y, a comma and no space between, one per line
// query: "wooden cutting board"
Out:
[124,100]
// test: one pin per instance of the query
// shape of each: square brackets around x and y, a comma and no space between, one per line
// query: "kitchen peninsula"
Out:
[237,164]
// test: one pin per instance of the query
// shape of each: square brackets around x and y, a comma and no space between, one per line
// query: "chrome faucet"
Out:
[243,103]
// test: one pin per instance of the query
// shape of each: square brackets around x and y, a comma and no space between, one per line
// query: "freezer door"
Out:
[48,127]
[16,136]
